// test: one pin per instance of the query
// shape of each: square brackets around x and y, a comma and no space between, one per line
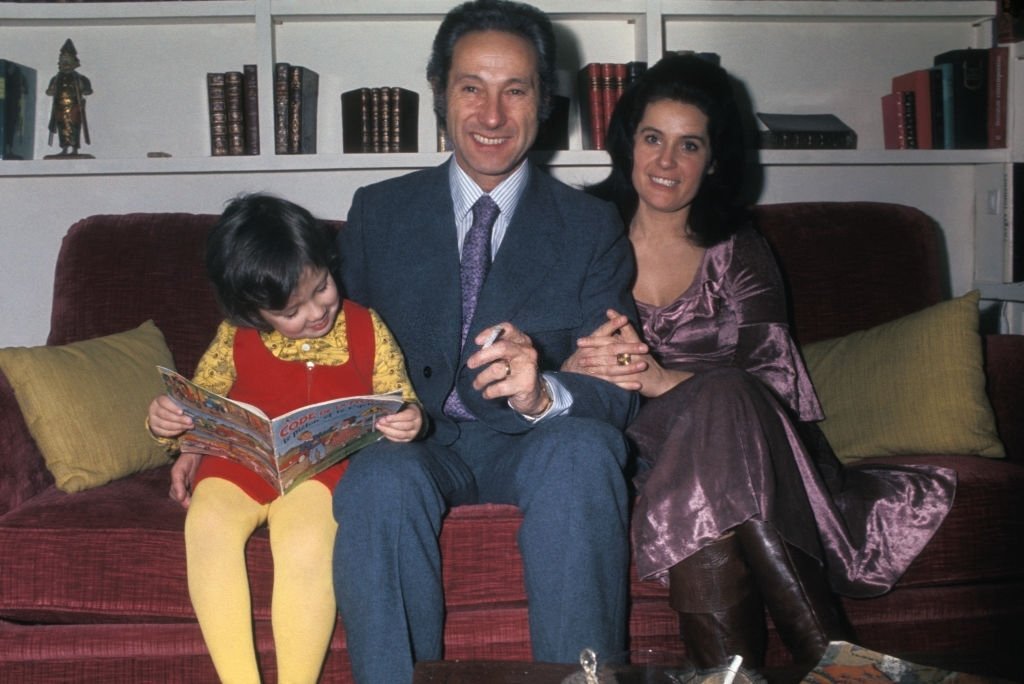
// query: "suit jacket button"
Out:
[427,371]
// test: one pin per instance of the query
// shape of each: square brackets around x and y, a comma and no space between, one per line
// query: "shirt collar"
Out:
[465,191]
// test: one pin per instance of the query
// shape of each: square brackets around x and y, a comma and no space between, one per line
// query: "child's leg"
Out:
[303,611]
[220,520]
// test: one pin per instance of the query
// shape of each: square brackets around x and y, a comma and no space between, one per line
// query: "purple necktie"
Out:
[476,262]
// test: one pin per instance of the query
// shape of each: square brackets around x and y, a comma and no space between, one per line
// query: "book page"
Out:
[315,437]
[223,427]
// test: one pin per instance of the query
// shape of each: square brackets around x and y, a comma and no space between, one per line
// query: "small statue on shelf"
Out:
[67,115]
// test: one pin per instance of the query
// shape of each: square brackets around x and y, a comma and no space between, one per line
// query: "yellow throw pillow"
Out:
[915,385]
[86,404]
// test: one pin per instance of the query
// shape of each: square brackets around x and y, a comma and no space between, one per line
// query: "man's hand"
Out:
[510,370]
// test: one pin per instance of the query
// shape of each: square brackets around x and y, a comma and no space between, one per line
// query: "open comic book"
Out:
[284,450]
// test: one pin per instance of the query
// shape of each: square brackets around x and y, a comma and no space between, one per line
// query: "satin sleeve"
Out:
[764,346]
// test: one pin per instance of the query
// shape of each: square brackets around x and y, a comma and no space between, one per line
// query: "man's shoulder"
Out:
[406,182]
[577,209]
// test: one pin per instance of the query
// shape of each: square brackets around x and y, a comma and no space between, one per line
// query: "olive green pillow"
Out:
[915,385]
[86,404]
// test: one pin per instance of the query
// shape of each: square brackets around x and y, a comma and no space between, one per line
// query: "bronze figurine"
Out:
[67,115]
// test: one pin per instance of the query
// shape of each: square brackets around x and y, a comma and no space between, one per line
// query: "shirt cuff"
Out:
[561,400]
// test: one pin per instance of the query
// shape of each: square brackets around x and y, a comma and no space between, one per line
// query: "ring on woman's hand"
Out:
[508,367]
[624,359]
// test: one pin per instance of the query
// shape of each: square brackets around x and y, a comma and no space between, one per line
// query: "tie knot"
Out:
[485,210]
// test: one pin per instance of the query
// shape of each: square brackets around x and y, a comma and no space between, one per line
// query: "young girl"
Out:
[289,340]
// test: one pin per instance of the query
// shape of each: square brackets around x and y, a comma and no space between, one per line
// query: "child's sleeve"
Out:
[389,371]
[215,372]
[216,368]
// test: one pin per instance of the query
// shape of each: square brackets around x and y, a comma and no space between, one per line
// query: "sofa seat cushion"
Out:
[115,553]
[979,541]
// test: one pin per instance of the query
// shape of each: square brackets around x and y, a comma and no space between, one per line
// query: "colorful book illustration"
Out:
[285,450]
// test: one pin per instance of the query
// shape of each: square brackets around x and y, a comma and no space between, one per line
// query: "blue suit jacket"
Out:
[565,259]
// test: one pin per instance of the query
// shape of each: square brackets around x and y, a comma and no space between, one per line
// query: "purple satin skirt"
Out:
[719,449]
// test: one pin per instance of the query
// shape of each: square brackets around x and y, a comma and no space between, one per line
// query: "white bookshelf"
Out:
[147,62]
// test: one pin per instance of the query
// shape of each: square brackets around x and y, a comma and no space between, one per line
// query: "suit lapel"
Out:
[528,251]
[430,259]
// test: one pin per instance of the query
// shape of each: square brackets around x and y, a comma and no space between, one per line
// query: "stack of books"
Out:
[600,86]
[233,104]
[17,110]
[380,119]
[958,103]
[296,94]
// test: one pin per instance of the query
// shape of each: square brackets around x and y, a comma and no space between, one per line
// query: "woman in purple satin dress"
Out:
[742,503]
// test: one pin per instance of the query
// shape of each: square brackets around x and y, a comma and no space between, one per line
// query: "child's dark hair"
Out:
[257,252]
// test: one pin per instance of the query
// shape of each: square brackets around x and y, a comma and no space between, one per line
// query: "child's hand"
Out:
[404,426]
[183,475]
[166,419]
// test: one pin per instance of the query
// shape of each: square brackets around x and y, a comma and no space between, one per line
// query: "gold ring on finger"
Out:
[508,368]
[624,359]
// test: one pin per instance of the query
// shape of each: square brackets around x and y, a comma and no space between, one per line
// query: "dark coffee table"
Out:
[512,672]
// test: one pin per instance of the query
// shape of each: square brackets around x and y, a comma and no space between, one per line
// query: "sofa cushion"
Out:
[915,385]
[93,394]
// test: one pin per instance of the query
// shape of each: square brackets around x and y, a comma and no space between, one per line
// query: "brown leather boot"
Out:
[720,610]
[795,588]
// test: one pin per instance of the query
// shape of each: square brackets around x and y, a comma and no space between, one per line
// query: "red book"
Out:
[895,115]
[591,106]
[608,96]
[619,82]
[919,83]
[998,64]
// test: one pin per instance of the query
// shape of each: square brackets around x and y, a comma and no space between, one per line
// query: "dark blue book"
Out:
[806,132]
[946,80]
[970,96]
[17,110]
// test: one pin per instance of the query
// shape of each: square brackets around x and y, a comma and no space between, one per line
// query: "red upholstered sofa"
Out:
[92,585]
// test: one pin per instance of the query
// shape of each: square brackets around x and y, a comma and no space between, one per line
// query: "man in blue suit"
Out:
[525,433]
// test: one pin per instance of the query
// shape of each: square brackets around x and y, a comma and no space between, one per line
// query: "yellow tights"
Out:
[220,520]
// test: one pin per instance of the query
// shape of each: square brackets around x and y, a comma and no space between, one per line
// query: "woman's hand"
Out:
[615,353]
[404,426]
[166,419]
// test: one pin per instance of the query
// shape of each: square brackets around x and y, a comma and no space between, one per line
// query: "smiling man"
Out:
[506,425]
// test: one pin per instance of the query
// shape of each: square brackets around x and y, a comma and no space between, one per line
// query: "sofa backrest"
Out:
[848,266]
[852,265]
[114,272]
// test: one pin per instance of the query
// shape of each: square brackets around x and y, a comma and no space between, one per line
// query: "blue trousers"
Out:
[565,475]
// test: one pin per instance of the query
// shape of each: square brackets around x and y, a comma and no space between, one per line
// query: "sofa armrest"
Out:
[23,473]
[1004,372]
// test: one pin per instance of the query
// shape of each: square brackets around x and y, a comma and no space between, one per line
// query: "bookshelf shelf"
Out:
[148,61]
[830,11]
[1001,292]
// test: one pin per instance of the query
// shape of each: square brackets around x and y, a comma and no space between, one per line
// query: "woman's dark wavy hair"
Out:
[517,18]
[717,211]
[257,252]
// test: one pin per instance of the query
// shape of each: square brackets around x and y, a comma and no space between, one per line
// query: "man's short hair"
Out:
[516,18]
